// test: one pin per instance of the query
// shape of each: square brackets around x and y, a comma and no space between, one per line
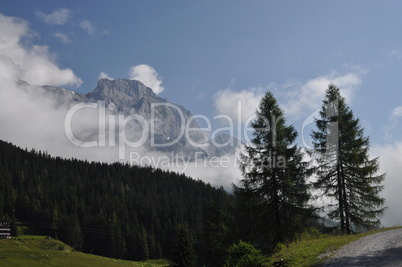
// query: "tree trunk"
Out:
[340,198]
[345,202]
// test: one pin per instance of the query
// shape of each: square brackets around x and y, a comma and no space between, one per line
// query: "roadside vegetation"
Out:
[314,248]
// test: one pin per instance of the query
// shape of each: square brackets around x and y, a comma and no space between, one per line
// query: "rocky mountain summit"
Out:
[171,127]
[125,94]
[167,122]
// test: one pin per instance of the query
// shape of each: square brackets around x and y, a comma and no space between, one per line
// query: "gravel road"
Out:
[382,249]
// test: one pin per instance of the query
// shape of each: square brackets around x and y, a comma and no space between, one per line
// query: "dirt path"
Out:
[382,249]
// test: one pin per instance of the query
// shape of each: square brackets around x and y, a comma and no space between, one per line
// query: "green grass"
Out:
[306,252]
[38,251]
[21,237]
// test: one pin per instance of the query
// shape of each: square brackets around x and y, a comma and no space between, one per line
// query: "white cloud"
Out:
[391,127]
[12,31]
[148,76]
[28,117]
[223,171]
[39,68]
[88,27]
[308,96]
[390,162]
[397,112]
[62,37]
[297,99]
[233,103]
[396,53]
[58,17]
[104,75]
[35,64]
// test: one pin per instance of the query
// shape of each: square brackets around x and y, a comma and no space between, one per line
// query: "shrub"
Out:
[244,254]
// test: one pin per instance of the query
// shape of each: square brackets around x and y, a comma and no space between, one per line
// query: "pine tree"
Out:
[184,255]
[143,248]
[344,171]
[158,251]
[152,245]
[217,237]
[274,176]
[55,221]
[116,245]
[73,233]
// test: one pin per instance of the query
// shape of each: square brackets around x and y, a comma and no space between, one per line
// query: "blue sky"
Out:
[201,47]
[209,54]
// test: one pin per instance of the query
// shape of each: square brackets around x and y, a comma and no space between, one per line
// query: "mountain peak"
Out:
[126,86]
[121,92]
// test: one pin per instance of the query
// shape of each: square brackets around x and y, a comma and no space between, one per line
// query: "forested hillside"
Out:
[113,210]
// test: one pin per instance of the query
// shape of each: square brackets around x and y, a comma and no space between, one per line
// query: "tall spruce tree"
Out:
[184,255]
[217,237]
[274,182]
[344,171]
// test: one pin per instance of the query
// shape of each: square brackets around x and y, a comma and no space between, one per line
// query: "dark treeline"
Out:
[112,210]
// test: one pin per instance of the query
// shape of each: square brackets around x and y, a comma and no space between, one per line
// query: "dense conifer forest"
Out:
[112,210]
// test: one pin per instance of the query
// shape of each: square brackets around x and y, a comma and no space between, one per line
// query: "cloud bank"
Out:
[308,96]
[390,156]
[148,76]
[240,106]
[35,64]
[29,118]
